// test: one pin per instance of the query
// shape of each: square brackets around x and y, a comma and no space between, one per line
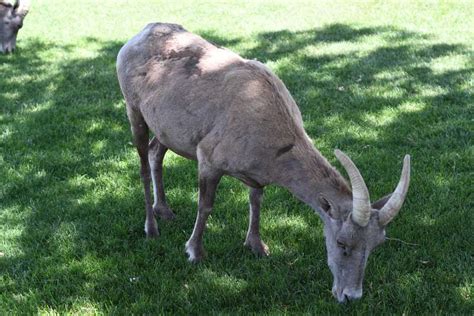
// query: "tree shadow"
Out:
[66,134]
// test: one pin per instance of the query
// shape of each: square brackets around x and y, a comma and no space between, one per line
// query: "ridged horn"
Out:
[360,194]
[394,204]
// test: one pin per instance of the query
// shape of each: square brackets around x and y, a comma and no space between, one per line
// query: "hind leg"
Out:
[156,155]
[140,137]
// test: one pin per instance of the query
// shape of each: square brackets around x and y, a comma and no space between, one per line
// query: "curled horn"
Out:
[393,205]
[360,194]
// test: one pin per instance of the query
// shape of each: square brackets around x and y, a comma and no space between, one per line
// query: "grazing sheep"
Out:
[235,117]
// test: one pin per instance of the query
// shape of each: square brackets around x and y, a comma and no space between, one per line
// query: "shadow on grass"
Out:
[66,136]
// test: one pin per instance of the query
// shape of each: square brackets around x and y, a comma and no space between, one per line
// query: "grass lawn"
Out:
[377,79]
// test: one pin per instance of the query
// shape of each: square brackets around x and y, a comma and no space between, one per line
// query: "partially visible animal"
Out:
[236,118]
[12,14]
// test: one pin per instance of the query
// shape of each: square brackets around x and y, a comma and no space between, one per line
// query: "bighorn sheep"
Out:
[12,15]
[235,117]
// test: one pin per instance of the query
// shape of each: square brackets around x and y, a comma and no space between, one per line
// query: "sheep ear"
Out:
[22,7]
[328,207]
[380,203]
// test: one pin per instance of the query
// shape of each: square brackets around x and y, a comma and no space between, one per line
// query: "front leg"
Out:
[253,235]
[208,180]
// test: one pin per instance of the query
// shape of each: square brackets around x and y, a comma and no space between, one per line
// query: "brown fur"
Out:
[235,117]
[171,83]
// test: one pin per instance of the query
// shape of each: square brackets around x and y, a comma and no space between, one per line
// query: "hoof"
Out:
[164,213]
[258,247]
[152,234]
[151,229]
[195,254]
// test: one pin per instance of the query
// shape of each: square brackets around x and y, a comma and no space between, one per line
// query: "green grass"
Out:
[377,79]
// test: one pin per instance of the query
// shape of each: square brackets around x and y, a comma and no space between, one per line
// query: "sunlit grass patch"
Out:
[453,62]
[466,291]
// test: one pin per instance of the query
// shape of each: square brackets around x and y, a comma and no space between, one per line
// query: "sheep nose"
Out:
[352,295]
